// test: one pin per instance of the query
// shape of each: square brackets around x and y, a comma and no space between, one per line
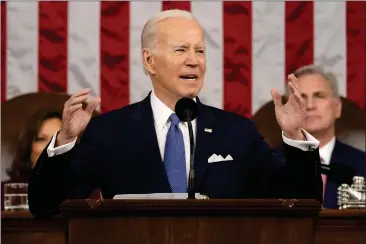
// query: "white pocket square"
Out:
[217,158]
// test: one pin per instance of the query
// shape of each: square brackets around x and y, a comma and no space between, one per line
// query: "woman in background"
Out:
[34,137]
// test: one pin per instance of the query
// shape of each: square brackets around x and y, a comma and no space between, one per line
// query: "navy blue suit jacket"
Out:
[119,153]
[346,155]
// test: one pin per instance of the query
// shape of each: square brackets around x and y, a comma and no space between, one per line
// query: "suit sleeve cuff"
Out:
[53,151]
[310,144]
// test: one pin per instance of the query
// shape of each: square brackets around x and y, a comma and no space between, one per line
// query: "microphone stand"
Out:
[191,176]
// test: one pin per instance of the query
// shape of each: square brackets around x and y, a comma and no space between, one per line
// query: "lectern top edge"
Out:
[192,207]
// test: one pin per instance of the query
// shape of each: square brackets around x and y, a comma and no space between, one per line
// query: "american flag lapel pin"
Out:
[208,130]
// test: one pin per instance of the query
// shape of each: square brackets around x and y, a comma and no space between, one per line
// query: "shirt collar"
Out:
[327,150]
[161,112]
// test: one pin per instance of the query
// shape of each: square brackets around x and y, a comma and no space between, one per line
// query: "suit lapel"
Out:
[144,119]
[203,141]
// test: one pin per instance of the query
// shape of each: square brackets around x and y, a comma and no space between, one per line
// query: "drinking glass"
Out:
[15,196]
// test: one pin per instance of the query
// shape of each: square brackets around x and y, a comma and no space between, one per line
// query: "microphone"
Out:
[186,110]
[338,173]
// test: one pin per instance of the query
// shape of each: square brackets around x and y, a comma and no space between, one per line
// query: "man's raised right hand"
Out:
[74,117]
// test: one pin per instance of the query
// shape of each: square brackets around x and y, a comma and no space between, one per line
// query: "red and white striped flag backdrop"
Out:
[251,47]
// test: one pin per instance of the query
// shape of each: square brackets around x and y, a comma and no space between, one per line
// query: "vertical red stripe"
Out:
[52,44]
[237,19]
[3,51]
[183,5]
[114,54]
[299,37]
[356,12]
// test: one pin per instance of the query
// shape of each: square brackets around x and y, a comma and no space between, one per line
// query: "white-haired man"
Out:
[319,89]
[144,148]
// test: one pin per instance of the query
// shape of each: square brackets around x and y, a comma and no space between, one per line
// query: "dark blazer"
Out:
[119,153]
[346,155]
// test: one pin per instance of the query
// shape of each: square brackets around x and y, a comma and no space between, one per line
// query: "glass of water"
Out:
[15,196]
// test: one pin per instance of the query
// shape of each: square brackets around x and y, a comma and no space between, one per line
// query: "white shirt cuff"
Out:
[52,151]
[310,144]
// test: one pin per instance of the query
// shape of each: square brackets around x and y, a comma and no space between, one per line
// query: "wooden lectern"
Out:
[249,221]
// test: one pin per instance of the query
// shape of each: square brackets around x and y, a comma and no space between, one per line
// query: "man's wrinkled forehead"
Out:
[173,31]
[313,81]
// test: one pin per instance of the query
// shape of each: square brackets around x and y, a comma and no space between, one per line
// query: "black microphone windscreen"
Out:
[186,109]
[339,173]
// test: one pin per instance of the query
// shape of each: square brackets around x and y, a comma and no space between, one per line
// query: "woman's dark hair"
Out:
[22,166]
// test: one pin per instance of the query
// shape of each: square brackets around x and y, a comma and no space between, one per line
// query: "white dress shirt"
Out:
[161,115]
[326,151]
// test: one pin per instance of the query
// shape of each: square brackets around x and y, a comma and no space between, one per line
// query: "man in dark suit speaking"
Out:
[144,148]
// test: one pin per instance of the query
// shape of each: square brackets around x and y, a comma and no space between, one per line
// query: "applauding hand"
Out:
[290,116]
[74,117]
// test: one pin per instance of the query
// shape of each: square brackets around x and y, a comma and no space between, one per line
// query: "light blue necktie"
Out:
[174,157]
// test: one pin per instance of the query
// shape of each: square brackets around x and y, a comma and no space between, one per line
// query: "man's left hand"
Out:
[290,116]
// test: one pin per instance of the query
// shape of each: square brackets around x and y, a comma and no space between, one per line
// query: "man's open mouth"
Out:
[188,77]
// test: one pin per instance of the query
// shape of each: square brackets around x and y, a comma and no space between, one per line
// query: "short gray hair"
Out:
[313,69]
[148,34]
